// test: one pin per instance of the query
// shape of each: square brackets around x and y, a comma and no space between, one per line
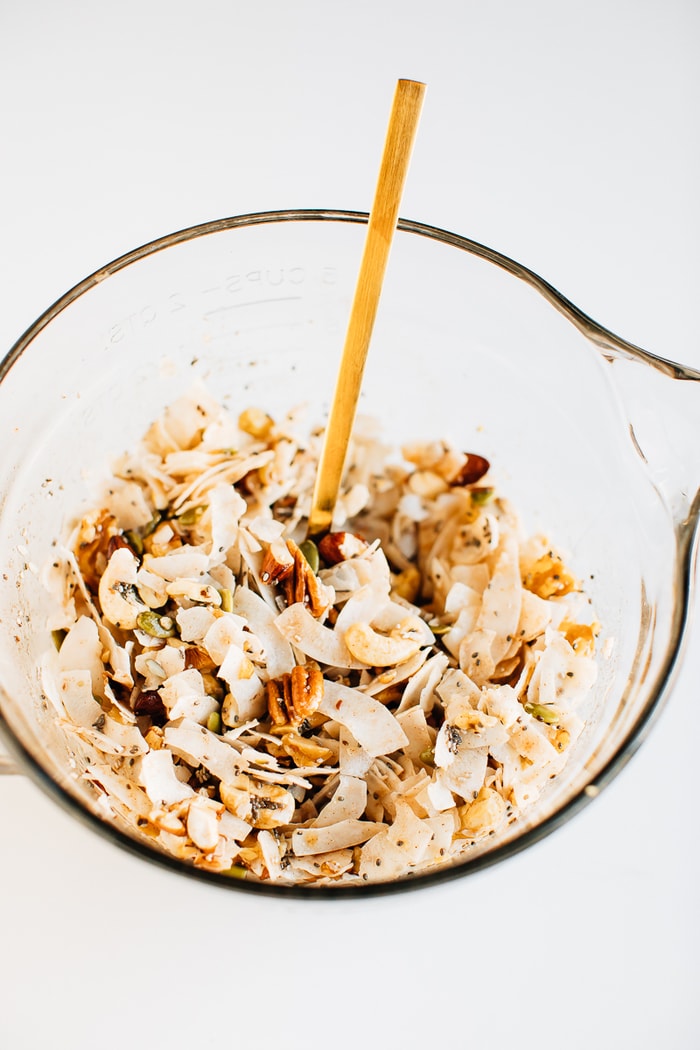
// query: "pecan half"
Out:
[293,697]
[302,584]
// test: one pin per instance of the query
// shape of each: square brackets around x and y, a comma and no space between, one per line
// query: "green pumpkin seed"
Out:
[153,524]
[481,496]
[310,551]
[236,871]
[157,626]
[192,515]
[214,722]
[544,714]
[134,540]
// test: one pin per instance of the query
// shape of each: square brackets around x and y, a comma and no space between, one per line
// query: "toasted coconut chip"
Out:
[348,803]
[272,854]
[75,692]
[444,826]
[308,841]
[159,780]
[371,724]
[438,797]
[118,658]
[195,622]
[261,621]
[246,699]
[465,772]
[82,650]
[127,502]
[456,687]
[502,600]
[501,701]
[476,655]
[461,597]
[325,868]
[185,563]
[410,833]
[198,746]
[233,828]
[322,644]
[353,760]
[562,677]
[226,508]
[420,737]
[225,630]
[183,696]
[362,607]
[381,859]
[117,787]
[55,577]
[184,419]
[421,687]
[227,471]
[128,738]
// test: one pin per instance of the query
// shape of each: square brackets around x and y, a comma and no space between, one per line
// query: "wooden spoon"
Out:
[403,122]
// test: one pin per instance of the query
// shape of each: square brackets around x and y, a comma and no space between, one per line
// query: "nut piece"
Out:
[92,547]
[472,470]
[303,585]
[305,752]
[580,636]
[482,815]
[167,820]
[255,422]
[339,546]
[547,577]
[293,697]
[384,650]
[203,823]
[278,562]
[264,806]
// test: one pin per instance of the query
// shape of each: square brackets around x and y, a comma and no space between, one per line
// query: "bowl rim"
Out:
[608,344]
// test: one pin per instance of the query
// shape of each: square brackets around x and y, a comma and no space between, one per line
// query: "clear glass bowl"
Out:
[468,345]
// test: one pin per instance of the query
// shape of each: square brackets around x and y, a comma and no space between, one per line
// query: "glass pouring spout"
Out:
[661,401]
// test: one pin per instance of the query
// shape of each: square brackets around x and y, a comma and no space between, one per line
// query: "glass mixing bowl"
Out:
[468,346]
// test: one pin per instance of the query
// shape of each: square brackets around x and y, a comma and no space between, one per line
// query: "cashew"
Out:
[203,823]
[381,650]
[196,592]
[119,598]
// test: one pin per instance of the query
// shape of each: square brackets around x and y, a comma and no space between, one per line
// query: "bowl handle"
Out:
[661,404]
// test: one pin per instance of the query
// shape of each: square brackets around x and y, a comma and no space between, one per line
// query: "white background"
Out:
[561,132]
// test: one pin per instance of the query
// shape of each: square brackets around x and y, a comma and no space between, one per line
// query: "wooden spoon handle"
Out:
[403,122]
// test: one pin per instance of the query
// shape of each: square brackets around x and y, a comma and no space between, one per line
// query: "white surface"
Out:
[563,134]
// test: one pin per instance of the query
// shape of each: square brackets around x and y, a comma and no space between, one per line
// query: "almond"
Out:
[339,546]
[472,470]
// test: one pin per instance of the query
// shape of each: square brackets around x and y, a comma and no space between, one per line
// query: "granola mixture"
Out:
[356,709]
